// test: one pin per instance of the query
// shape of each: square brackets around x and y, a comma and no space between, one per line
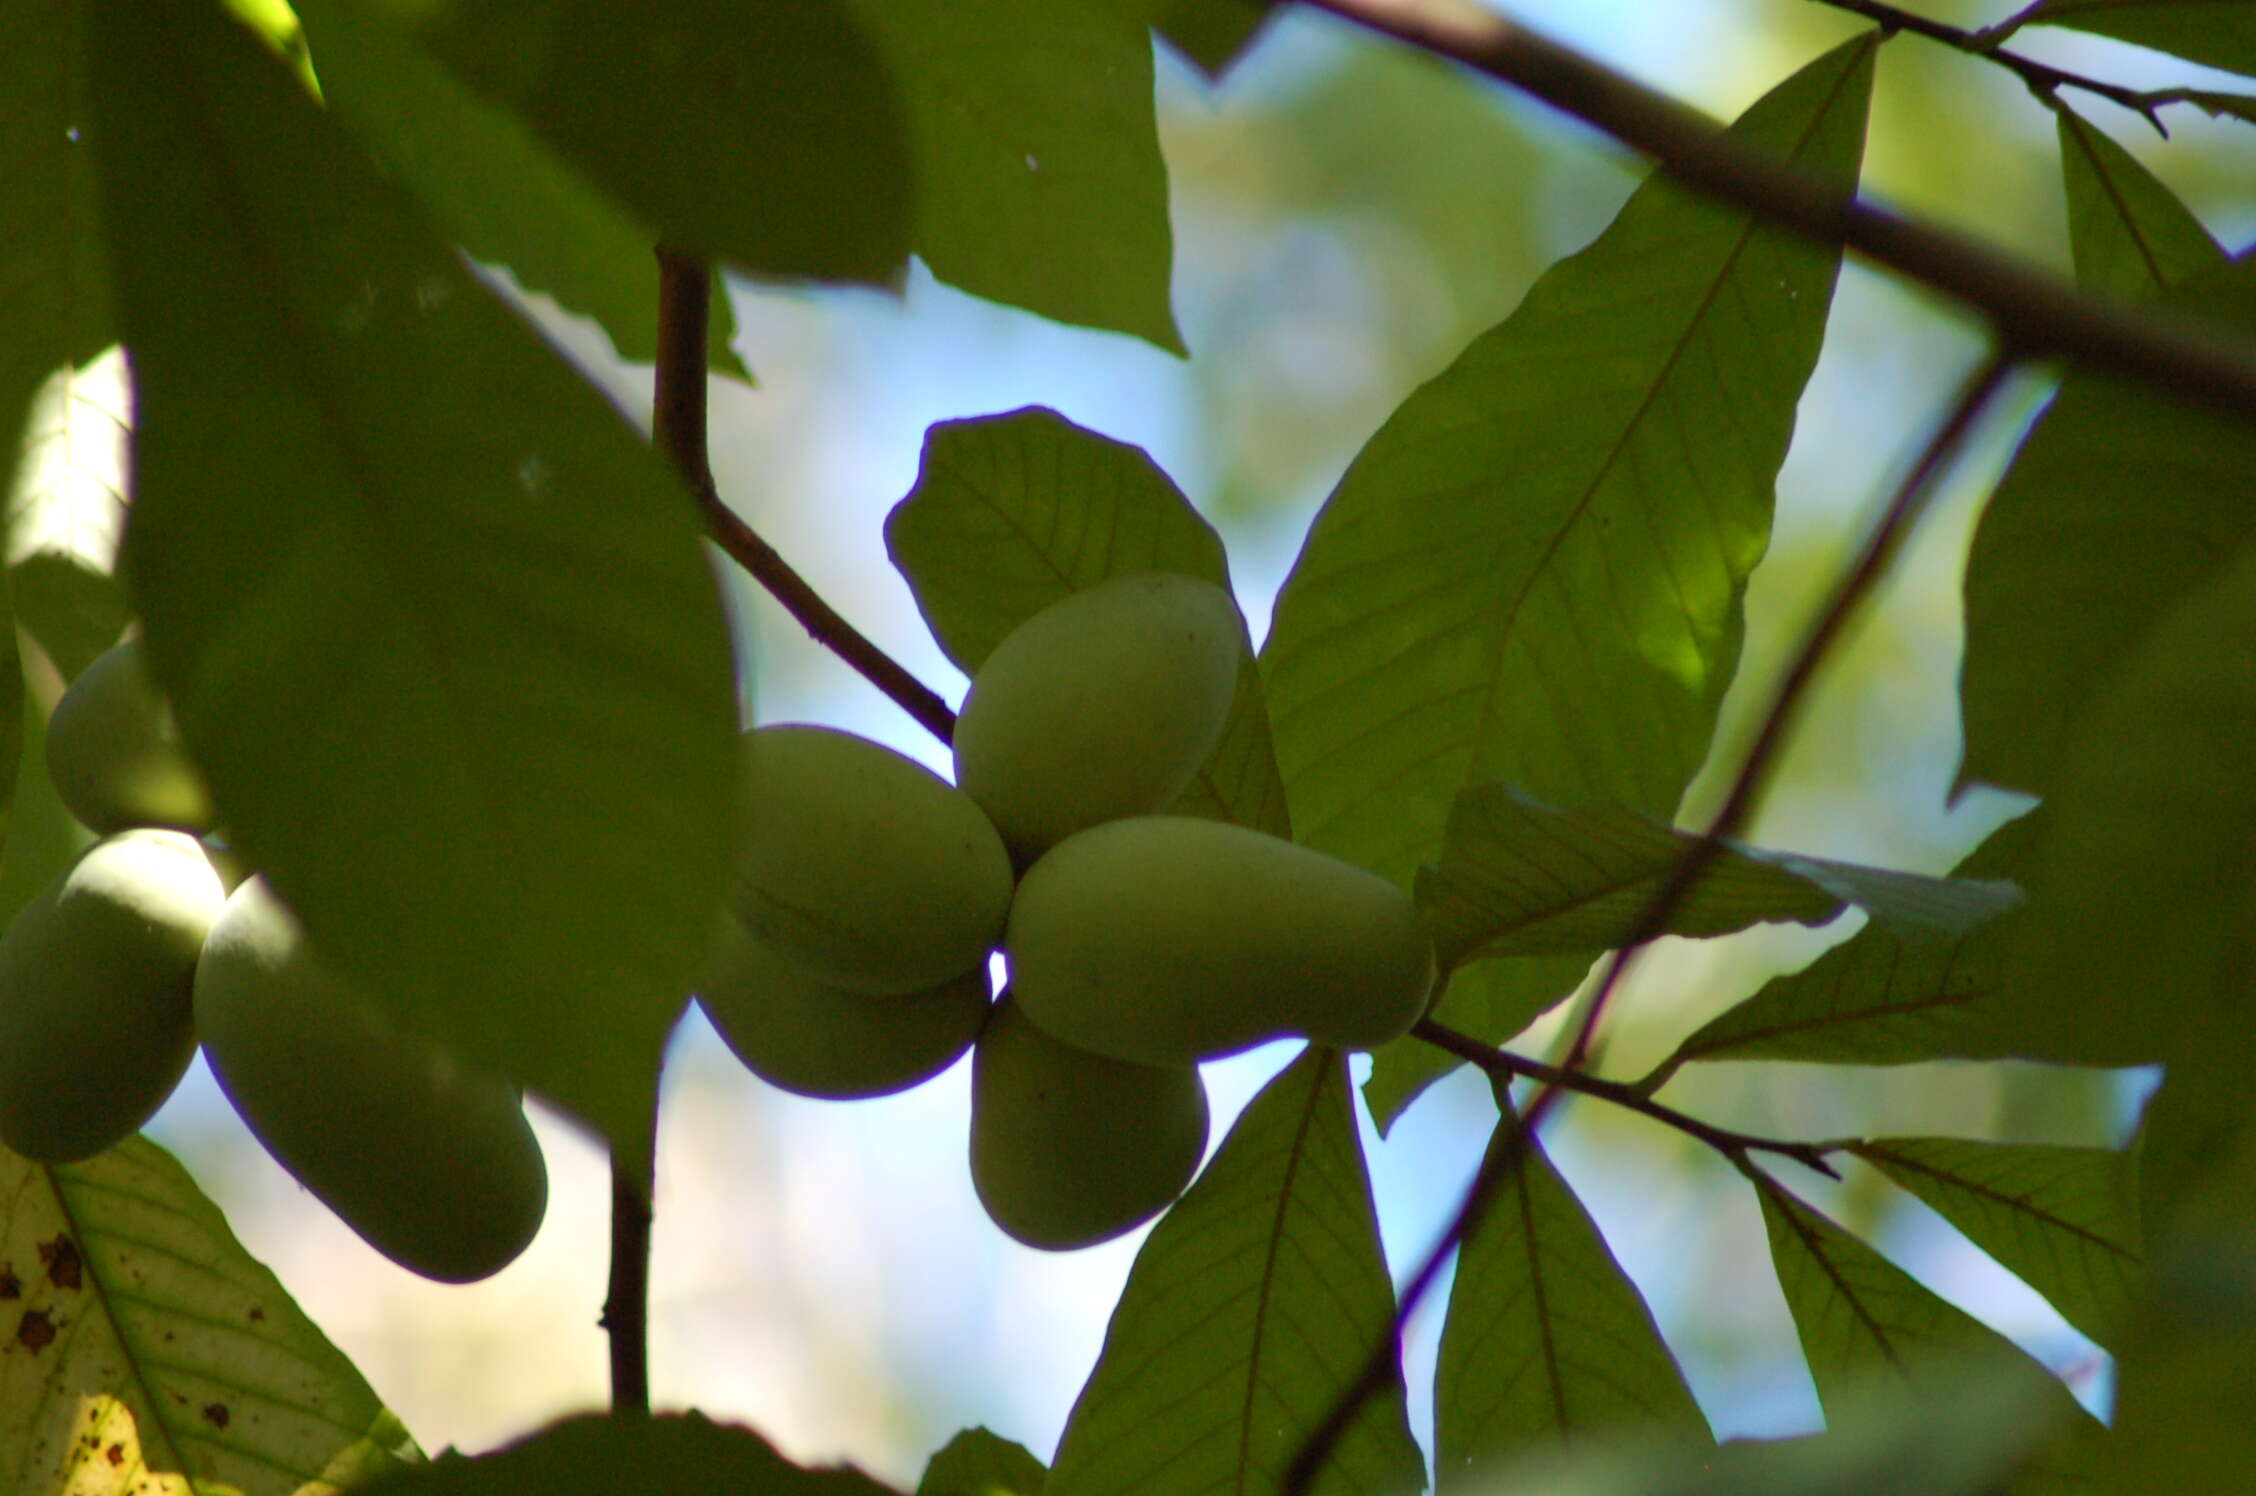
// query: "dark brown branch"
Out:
[2043,79]
[2034,312]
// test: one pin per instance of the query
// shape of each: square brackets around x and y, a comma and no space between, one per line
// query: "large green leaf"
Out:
[1860,1318]
[2064,1220]
[978,1462]
[2142,915]
[1036,152]
[1250,1309]
[1534,571]
[1013,512]
[770,135]
[1547,1341]
[2122,500]
[141,1348]
[683,1455]
[2130,234]
[1896,994]
[455,667]
[2217,33]
[66,510]
[555,230]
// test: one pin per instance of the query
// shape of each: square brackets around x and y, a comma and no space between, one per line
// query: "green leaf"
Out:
[1013,512]
[1211,33]
[1533,572]
[1861,1319]
[455,669]
[2139,922]
[2214,33]
[978,1462]
[1250,1308]
[2063,1220]
[1896,994]
[594,1455]
[1546,1339]
[769,135]
[2069,571]
[1036,152]
[556,231]
[2131,235]
[1491,1000]
[66,510]
[142,1348]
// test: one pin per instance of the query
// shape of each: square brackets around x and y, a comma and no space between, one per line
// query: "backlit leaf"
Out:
[455,669]
[2131,235]
[141,1348]
[66,510]
[1533,572]
[1013,512]
[2216,33]
[1251,1306]
[678,1455]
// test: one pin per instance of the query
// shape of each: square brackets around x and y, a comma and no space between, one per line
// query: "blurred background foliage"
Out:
[1346,217]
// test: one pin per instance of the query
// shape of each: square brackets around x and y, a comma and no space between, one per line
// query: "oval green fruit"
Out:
[96,1023]
[795,1030]
[1069,1148]
[433,1164]
[865,867]
[1168,939]
[1102,705]
[114,752]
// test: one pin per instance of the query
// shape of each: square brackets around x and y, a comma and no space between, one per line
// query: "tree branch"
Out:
[1880,548]
[2043,79]
[2034,312]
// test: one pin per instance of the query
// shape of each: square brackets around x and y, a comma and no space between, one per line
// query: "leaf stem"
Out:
[2034,312]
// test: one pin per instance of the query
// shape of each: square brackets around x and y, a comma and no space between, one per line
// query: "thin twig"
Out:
[2043,78]
[626,1308]
[2033,311]
[1502,1062]
[1848,594]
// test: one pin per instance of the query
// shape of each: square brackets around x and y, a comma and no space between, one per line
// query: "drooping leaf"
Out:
[1533,572]
[2070,570]
[1036,156]
[556,231]
[2215,33]
[1898,994]
[456,670]
[978,1462]
[1861,1318]
[141,1348]
[2141,891]
[677,1455]
[1013,512]
[2064,1220]
[52,280]
[1546,1340]
[1251,1306]
[2131,235]
[65,512]
[769,135]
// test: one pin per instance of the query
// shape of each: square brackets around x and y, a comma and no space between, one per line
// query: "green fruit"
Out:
[96,1026]
[865,867]
[1165,939]
[1102,705]
[431,1163]
[1069,1148]
[794,1030]
[114,750]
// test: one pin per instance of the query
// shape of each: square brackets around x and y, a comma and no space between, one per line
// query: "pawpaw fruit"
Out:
[813,1038]
[865,867]
[114,751]
[1069,1148]
[432,1163]
[1169,939]
[1104,704]
[96,1022]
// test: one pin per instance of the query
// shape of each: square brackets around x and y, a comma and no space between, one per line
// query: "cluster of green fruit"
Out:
[151,942]
[1137,943]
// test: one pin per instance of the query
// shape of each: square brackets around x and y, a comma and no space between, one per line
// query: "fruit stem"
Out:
[626,1310]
